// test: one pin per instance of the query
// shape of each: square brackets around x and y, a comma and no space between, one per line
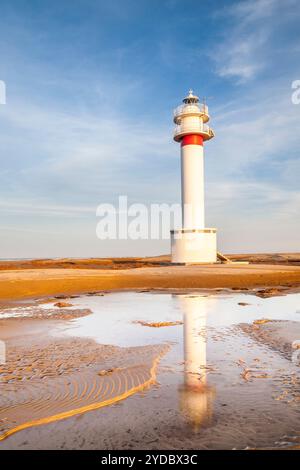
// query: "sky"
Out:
[90,91]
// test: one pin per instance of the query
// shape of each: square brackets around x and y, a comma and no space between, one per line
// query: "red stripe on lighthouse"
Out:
[192,139]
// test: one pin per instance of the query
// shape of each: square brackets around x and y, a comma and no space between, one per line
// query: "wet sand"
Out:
[32,283]
[280,335]
[47,379]
[111,396]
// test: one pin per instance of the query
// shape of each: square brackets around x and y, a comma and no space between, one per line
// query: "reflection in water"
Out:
[196,396]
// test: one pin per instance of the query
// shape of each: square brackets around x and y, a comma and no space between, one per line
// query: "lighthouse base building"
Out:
[194,246]
[193,243]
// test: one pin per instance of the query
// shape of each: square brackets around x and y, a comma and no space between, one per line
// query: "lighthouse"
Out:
[193,243]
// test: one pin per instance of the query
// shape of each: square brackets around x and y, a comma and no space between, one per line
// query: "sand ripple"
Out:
[41,401]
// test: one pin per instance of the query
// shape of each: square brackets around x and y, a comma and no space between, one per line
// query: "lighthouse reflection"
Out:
[195,395]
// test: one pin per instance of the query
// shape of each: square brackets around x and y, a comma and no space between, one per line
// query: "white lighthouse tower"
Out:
[193,243]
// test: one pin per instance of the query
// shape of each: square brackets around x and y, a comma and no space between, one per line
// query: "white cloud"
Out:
[253,10]
[245,50]
[252,171]
[239,58]
[258,133]
[82,158]
[44,210]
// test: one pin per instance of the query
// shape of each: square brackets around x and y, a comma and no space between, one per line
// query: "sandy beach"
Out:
[31,279]
[55,382]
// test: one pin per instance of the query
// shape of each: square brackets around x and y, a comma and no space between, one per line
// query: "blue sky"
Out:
[91,86]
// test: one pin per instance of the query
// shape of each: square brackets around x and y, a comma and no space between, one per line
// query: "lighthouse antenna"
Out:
[205,99]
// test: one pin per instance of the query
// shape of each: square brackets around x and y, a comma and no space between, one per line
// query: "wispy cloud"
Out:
[245,50]
[241,59]
[45,210]
[80,158]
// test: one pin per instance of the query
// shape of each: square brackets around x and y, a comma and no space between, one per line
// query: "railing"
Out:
[201,129]
[198,108]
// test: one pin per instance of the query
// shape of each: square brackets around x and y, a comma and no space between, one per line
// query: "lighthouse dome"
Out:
[191,107]
[190,98]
